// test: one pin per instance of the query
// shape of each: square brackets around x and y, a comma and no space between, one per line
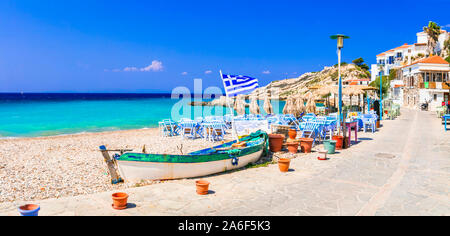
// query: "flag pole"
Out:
[235,134]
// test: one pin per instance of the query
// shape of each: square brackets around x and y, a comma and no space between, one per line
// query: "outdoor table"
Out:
[445,121]
[350,125]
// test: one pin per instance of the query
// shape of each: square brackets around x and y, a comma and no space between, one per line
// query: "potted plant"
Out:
[339,142]
[292,134]
[202,187]
[120,201]
[330,146]
[323,155]
[293,147]
[283,164]
[29,210]
[306,144]
[276,142]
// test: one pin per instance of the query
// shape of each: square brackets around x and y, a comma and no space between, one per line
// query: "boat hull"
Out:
[133,171]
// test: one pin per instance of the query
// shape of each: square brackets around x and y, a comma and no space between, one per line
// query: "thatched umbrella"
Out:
[326,91]
[239,105]
[299,105]
[254,107]
[352,91]
[311,105]
[289,108]
[268,108]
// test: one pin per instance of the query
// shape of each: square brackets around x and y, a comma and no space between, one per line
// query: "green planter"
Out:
[330,146]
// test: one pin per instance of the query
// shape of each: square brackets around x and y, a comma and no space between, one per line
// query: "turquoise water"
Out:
[48,117]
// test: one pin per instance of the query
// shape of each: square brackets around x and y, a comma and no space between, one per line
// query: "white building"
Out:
[405,54]
[425,81]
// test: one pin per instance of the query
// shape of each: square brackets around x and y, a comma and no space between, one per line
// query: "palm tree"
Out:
[433,30]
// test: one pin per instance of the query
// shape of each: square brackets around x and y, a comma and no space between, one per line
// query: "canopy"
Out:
[290,108]
[268,108]
[254,107]
[239,105]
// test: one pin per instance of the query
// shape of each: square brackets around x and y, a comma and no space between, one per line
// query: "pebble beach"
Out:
[71,165]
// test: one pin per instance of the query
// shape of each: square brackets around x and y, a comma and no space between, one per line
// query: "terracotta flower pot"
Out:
[284,164]
[292,134]
[120,201]
[29,210]
[378,124]
[306,144]
[276,142]
[323,156]
[339,142]
[293,147]
[202,187]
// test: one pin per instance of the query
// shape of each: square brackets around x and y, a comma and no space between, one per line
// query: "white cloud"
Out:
[184,73]
[446,26]
[208,72]
[155,66]
[130,69]
[266,72]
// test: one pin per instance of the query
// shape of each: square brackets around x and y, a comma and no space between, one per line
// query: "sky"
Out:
[155,46]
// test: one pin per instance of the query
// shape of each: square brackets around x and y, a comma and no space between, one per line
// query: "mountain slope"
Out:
[301,85]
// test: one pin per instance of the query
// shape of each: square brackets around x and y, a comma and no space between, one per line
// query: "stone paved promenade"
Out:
[404,169]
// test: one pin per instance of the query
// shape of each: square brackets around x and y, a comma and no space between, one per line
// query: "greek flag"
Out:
[238,84]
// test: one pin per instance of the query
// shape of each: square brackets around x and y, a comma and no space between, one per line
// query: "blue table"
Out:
[445,120]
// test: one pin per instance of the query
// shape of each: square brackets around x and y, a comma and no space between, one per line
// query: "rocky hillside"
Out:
[300,85]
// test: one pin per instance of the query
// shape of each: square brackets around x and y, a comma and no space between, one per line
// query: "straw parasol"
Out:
[268,108]
[299,105]
[352,91]
[254,107]
[326,91]
[239,105]
[289,108]
[311,105]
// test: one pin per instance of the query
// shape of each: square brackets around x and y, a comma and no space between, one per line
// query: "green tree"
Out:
[433,30]
[360,63]
[386,85]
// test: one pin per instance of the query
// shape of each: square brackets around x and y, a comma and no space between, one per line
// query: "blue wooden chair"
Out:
[168,128]
[310,131]
[188,129]
[369,121]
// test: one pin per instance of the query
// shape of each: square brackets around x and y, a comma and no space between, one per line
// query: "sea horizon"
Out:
[55,114]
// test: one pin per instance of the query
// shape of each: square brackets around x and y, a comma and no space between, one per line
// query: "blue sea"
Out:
[50,114]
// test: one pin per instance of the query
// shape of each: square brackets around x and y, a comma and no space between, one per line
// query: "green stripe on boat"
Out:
[256,141]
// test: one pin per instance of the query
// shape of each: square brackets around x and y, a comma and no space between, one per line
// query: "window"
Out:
[438,77]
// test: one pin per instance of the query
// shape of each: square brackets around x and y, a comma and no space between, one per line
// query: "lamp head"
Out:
[340,40]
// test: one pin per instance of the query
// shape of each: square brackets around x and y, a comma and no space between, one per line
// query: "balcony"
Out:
[434,85]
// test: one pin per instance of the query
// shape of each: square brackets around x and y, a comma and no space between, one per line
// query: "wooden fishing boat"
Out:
[139,166]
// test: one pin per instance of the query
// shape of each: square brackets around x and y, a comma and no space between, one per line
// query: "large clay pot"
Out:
[292,134]
[306,144]
[276,142]
[120,201]
[339,142]
[202,187]
[29,210]
[330,146]
[293,147]
[284,164]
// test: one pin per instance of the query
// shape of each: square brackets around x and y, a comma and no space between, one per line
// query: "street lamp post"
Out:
[340,44]
[381,95]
